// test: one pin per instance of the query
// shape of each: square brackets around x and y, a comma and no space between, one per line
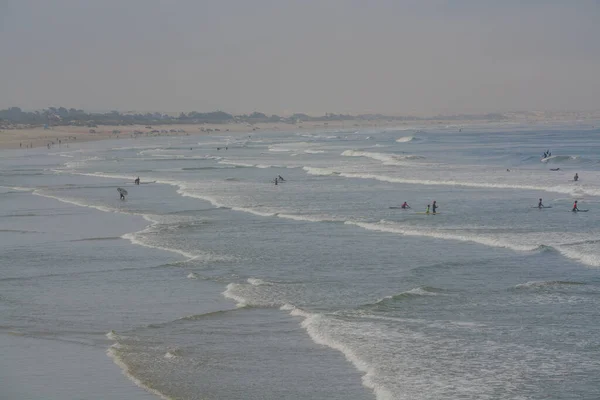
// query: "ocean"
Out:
[211,282]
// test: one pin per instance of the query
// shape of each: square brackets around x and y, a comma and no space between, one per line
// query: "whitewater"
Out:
[210,281]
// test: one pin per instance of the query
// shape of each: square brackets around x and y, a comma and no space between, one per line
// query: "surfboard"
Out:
[398,208]
[581,211]
[122,191]
[541,207]
[427,213]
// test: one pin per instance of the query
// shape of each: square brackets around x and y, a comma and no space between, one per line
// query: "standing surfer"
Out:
[434,206]
[576,177]
[540,205]
[575,206]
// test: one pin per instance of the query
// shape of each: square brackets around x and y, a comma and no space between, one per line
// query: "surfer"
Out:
[540,205]
[121,196]
[405,205]
[137,180]
[554,169]
[576,177]
[275,181]
[434,206]
[427,212]
[575,206]
[281,179]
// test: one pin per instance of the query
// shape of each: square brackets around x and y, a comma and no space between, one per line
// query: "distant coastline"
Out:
[57,127]
[60,116]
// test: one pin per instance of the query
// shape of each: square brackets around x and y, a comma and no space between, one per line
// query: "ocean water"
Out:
[212,282]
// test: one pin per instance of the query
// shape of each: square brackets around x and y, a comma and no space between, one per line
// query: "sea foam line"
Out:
[384,178]
[112,352]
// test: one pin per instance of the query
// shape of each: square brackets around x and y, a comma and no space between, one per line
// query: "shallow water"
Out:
[210,281]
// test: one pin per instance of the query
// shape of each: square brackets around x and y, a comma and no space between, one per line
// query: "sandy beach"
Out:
[63,135]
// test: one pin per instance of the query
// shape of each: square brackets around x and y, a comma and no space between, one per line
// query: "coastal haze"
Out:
[392,57]
[202,200]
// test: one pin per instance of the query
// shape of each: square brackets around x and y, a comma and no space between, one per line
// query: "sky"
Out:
[398,57]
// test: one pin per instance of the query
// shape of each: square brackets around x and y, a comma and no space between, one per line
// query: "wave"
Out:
[406,139]
[563,159]
[544,284]
[114,354]
[591,259]
[315,326]
[416,292]
[75,202]
[384,226]
[314,151]
[386,158]
[289,147]
[563,189]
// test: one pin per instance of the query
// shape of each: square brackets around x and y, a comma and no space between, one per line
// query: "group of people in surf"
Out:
[574,209]
[278,179]
[431,208]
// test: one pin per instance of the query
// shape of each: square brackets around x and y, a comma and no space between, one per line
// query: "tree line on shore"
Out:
[63,116]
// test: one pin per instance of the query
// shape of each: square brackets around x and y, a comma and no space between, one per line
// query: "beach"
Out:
[211,281]
[23,137]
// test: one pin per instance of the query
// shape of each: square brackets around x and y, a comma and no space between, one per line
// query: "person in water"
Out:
[427,212]
[540,205]
[576,177]
[122,196]
[575,206]
[434,206]
[137,180]
[275,181]
[281,178]
[405,205]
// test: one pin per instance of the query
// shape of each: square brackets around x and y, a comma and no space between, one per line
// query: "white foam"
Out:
[229,293]
[313,323]
[383,226]
[112,352]
[564,189]
[192,276]
[387,159]
[405,139]
[112,335]
[76,203]
[258,282]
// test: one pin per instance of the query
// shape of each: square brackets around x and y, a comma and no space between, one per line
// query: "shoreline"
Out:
[62,136]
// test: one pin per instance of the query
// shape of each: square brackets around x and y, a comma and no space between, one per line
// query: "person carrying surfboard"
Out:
[405,205]
[575,206]
[434,206]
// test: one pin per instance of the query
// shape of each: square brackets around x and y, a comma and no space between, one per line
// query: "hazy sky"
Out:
[280,56]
